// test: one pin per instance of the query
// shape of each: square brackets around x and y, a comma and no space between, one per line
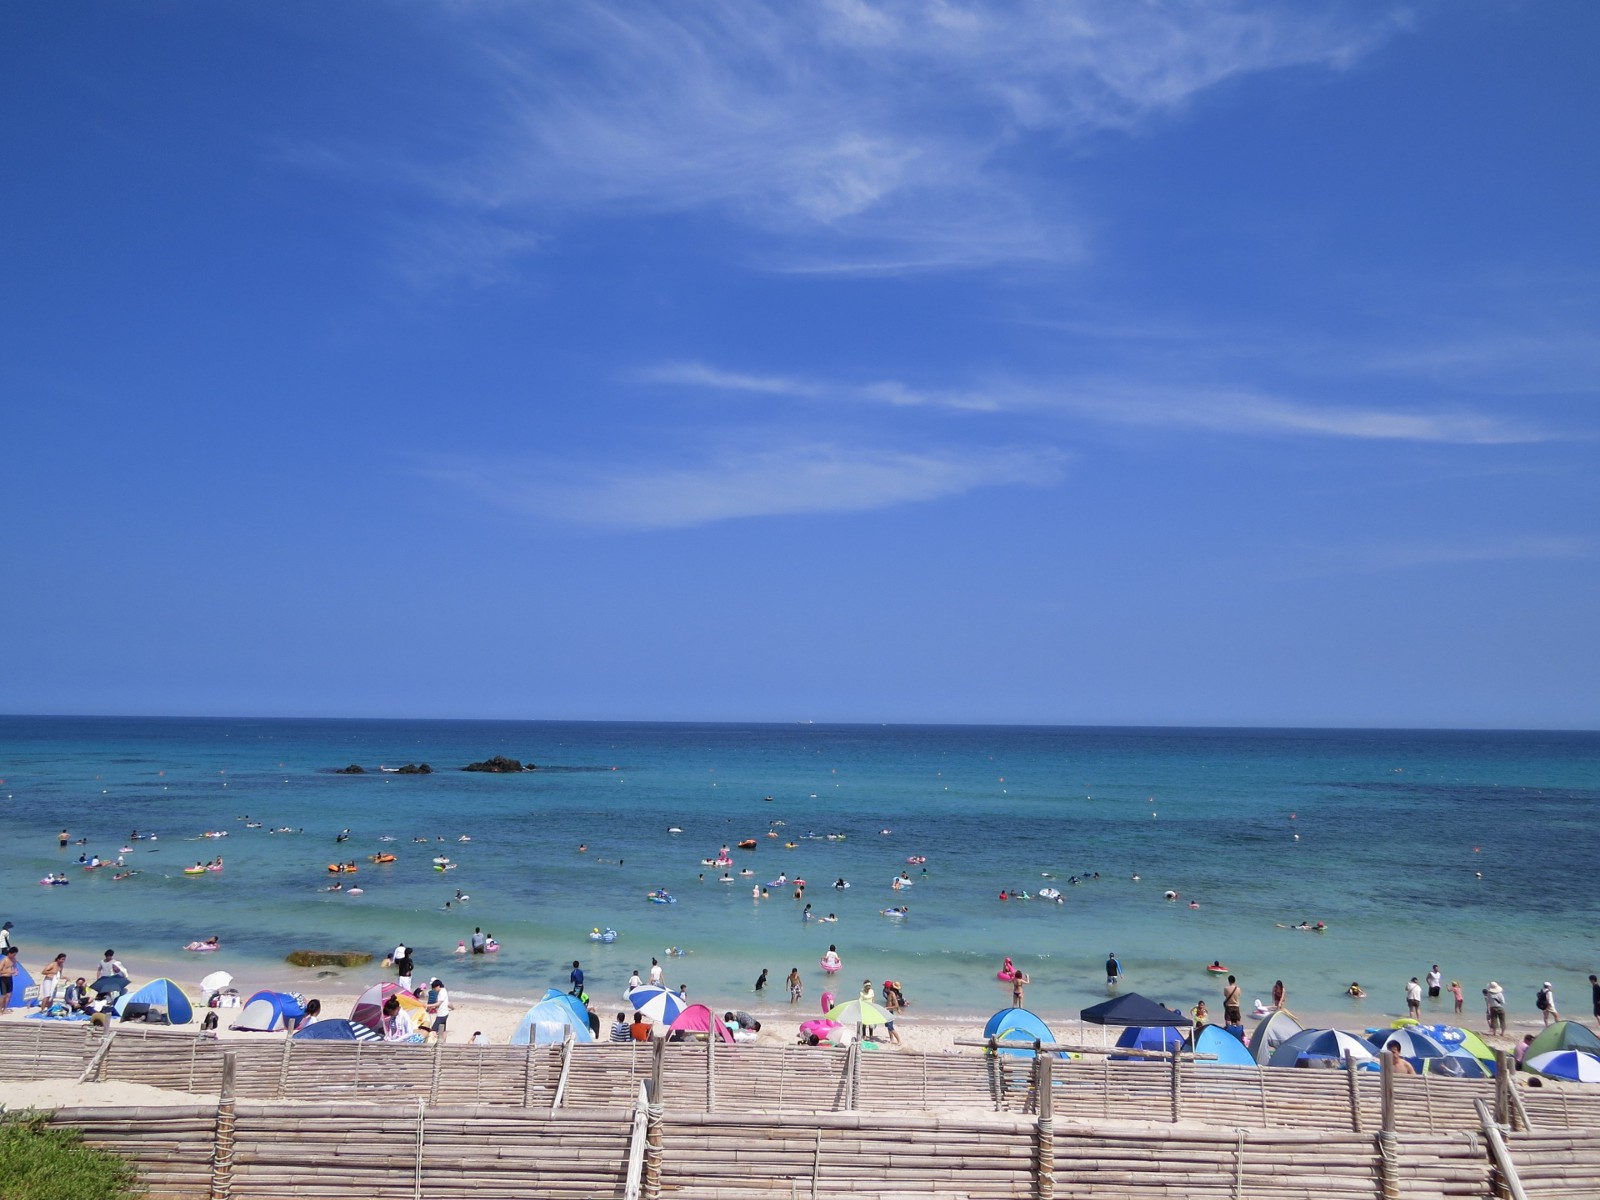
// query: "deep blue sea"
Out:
[1381,835]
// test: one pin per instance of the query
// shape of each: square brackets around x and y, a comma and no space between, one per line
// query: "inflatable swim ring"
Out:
[202,870]
[830,965]
[917,860]
[1217,969]
[748,844]
[381,858]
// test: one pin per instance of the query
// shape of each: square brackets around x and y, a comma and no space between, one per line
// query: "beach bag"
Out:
[1541,1000]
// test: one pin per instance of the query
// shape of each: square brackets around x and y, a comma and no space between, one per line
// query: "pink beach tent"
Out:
[368,1008]
[697,1018]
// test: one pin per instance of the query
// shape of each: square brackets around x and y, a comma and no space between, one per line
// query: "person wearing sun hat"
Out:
[1494,1000]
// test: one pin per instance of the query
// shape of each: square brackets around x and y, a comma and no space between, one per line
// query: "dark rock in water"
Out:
[415,769]
[328,958]
[499,765]
[352,769]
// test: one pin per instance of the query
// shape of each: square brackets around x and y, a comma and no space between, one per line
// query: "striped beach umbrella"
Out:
[659,1005]
[1578,1065]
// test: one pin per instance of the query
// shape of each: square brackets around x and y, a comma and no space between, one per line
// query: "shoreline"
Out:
[930,1029]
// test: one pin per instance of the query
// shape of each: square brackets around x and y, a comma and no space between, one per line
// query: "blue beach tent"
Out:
[549,1020]
[269,1012]
[336,1029]
[1229,1050]
[1020,1025]
[1163,1038]
[20,983]
[159,994]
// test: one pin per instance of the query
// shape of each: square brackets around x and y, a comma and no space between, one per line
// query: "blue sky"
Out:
[1105,362]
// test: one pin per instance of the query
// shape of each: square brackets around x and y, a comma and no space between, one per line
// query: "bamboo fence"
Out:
[776,1079]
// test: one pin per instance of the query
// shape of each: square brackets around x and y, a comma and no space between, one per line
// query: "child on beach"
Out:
[795,986]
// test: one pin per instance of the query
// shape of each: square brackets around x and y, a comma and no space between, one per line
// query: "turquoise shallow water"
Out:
[1393,828]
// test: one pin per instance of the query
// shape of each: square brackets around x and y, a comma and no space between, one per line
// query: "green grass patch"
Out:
[40,1161]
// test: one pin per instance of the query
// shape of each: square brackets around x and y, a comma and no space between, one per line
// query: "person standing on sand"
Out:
[439,1007]
[1546,1001]
[8,977]
[1494,1002]
[51,977]
[1018,982]
[1279,994]
[1414,999]
[1232,1014]
[1201,1017]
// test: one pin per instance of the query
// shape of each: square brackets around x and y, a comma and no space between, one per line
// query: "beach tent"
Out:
[159,995]
[269,1012]
[1576,1065]
[1271,1033]
[549,1020]
[697,1018]
[1020,1025]
[1162,1038]
[336,1030]
[1133,1009]
[1229,1050]
[1428,1056]
[1311,1046]
[1455,1039]
[368,1008]
[1563,1035]
[20,983]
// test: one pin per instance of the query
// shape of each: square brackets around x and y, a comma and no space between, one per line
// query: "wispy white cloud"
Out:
[802,478]
[1246,412]
[888,392]
[1421,555]
[1226,411]
[867,135]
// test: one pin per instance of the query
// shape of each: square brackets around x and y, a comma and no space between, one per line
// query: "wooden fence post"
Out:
[655,1118]
[222,1138]
[1044,1142]
[1355,1094]
[1176,1087]
[1388,1146]
[1504,1178]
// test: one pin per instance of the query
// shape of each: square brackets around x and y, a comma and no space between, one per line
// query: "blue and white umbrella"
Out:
[1578,1065]
[1321,1043]
[657,1003]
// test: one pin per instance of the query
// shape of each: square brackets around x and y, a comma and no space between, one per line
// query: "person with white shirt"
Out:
[439,1007]
[656,973]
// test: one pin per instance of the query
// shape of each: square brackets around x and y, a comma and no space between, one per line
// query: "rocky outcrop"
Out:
[352,769]
[328,958]
[415,769]
[499,765]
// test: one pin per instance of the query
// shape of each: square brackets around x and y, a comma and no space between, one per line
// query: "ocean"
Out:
[1473,850]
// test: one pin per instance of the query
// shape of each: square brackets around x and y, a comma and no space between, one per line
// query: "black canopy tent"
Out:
[1133,1009]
